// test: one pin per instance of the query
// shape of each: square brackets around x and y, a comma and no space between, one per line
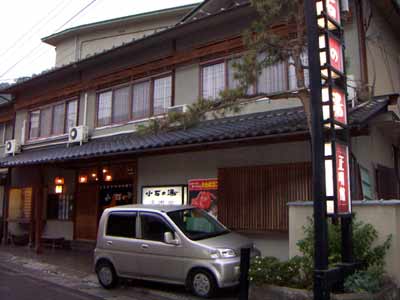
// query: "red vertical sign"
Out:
[339,105]
[333,9]
[336,54]
[343,179]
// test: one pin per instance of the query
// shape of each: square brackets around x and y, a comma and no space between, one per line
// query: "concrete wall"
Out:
[66,52]
[85,44]
[383,53]
[383,215]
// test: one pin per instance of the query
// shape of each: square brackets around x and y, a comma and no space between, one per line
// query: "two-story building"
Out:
[109,85]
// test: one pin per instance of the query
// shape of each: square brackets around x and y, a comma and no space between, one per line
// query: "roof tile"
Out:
[226,129]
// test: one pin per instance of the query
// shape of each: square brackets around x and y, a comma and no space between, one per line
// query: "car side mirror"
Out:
[169,238]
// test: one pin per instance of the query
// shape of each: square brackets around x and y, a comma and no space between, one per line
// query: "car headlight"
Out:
[222,253]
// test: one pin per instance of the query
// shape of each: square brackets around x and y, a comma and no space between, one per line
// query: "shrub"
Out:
[298,271]
[370,280]
[365,249]
[272,271]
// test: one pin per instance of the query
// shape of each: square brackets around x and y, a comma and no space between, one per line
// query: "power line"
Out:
[59,28]
[31,30]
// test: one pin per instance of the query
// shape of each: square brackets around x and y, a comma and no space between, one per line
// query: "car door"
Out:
[159,260]
[121,243]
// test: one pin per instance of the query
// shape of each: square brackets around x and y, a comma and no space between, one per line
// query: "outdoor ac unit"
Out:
[12,147]
[78,134]
[178,108]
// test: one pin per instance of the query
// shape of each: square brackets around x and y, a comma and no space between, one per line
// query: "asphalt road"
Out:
[15,285]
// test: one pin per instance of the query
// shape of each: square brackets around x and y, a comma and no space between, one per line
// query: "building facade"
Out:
[257,160]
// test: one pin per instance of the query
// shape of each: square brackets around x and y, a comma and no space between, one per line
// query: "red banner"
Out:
[336,54]
[339,106]
[333,10]
[343,179]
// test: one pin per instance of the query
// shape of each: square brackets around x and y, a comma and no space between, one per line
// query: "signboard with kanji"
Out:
[333,10]
[203,194]
[164,195]
[336,54]
[343,179]
[339,105]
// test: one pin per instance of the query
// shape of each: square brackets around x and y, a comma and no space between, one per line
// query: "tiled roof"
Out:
[263,124]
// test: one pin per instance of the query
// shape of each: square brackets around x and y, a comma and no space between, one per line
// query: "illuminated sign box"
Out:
[164,195]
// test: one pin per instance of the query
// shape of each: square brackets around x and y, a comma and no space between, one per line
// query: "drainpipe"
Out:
[85,110]
[362,41]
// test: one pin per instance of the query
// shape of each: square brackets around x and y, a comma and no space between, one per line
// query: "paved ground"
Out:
[60,275]
[17,285]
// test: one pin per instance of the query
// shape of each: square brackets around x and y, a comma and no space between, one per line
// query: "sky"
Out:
[23,23]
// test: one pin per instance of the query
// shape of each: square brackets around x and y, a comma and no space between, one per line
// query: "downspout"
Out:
[362,42]
[85,109]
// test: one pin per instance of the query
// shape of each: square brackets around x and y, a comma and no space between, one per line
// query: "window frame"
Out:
[131,84]
[4,127]
[254,85]
[52,106]
[67,102]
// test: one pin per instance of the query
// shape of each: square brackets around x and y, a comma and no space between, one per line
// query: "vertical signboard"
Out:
[334,107]
[343,180]
[203,194]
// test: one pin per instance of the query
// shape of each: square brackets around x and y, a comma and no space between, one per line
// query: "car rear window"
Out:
[121,225]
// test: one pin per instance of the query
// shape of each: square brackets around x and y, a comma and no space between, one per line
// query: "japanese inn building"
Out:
[113,76]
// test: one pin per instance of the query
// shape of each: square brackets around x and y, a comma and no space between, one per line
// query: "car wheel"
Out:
[203,284]
[106,275]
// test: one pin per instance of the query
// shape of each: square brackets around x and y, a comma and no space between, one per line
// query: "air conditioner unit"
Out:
[78,134]
[178,108]
[12,147]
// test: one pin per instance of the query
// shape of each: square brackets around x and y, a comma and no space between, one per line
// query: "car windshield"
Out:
[196,224]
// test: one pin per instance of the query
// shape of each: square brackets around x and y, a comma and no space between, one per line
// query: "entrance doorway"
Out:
[86,212]
[100,187]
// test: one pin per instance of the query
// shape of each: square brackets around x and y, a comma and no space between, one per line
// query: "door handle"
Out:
[144,246]
[109,243]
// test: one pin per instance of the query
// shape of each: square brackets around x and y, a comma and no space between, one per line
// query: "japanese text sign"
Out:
[163,195]
[339,105]
[343,179]
[336,54]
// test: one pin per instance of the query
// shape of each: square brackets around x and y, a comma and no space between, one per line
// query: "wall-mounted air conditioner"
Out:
[12,147]
[78,134]
[178,108]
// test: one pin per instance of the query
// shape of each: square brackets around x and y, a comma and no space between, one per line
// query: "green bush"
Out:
[370,280]
[365,249]
[298,271]
[272,271]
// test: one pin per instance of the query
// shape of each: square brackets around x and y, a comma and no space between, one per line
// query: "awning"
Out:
[229,129]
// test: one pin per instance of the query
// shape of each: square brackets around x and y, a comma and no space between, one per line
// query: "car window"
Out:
[196,224]
[121,225]
[153,227]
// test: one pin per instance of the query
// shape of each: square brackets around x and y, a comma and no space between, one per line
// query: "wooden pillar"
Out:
[5,207]
[39,213]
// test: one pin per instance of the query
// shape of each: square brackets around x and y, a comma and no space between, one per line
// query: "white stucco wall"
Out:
[179,168]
